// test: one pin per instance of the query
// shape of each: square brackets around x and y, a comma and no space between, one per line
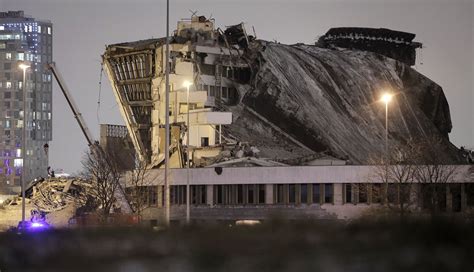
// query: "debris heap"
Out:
[55,194]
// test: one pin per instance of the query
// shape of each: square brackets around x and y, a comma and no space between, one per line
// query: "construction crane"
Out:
[94,146]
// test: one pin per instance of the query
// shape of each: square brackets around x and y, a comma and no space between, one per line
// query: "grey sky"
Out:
[82,28]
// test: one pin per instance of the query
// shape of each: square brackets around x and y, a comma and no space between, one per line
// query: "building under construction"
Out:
[273,125]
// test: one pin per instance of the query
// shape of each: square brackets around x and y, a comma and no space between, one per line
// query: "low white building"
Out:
[296,192]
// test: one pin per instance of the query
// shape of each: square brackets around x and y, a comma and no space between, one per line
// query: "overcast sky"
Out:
[82,28]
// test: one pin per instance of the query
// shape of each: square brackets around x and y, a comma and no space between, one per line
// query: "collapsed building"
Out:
[272,106]
[293,103]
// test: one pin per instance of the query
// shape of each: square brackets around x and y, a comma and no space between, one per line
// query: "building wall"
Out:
[30,42]
[309,192]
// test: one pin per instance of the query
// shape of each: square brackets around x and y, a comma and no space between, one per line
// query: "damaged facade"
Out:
[260,107]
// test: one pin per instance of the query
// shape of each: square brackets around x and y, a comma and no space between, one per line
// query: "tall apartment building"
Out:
[24,40]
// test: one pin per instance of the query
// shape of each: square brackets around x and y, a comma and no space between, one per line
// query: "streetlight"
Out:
[23,67]
[187,84]
[386,98]
[167,116]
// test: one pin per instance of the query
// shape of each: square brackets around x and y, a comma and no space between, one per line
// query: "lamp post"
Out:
[23,67]
[167,116]
[187,84]
[386,98]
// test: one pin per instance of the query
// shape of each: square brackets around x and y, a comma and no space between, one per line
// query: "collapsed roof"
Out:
[299,101]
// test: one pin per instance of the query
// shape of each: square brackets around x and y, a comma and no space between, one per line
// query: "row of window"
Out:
[28,28]
[217,91]
[239,194]
[298,194]
[197,194]
[10,36]
[37,115]
[303,193]
[16,103]
[25,57]
[19,84]
[240,74]
[148,195]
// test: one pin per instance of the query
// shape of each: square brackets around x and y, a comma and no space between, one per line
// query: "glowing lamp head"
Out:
[386,98]
[187,84]
[23,66]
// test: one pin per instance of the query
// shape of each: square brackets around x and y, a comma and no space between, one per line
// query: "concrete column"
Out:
[209,195]
[337,194]
[269,194]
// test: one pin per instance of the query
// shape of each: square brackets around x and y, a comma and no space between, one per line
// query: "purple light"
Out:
[37,225]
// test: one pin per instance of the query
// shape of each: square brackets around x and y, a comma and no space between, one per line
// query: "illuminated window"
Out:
[3,45]
[2,27]
[49,30]
[8,56]
[8,85]
[30,29]
[18,152]
[18,162]
[39,29]
[21,56]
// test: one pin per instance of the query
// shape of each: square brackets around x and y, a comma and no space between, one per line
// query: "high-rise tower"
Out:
[24,40]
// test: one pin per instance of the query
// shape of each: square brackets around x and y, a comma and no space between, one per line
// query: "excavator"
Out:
[95,148]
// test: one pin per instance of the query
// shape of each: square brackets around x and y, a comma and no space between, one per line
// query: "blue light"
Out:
[37,225]
[34,226]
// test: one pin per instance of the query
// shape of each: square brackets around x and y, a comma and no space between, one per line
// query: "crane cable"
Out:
[100,90]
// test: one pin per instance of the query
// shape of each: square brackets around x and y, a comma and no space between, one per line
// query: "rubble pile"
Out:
[55,194]
[55,200]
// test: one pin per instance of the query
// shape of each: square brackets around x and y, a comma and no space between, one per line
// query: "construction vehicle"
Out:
[94,146]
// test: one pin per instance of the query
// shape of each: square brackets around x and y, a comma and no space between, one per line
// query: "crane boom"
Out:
[94,146]
[72,104]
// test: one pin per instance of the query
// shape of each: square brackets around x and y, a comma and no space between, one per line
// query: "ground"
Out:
[272,246]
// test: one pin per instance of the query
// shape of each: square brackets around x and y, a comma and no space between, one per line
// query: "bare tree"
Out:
[420,168]
[104,174]
[397,172]
[138,186]
[434,171]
